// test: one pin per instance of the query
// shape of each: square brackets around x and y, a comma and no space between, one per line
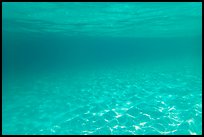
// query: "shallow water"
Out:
[102,68]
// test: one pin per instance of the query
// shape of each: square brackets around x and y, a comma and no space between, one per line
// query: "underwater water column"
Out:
[102,68]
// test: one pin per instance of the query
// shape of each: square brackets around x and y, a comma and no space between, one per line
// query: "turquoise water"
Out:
[102,68]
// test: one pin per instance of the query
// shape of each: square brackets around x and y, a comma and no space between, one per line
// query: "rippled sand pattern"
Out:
[105,102]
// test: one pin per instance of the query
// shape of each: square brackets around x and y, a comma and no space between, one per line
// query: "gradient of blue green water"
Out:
[102,68]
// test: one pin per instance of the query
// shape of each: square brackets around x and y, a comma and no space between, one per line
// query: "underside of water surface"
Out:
[122,68]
